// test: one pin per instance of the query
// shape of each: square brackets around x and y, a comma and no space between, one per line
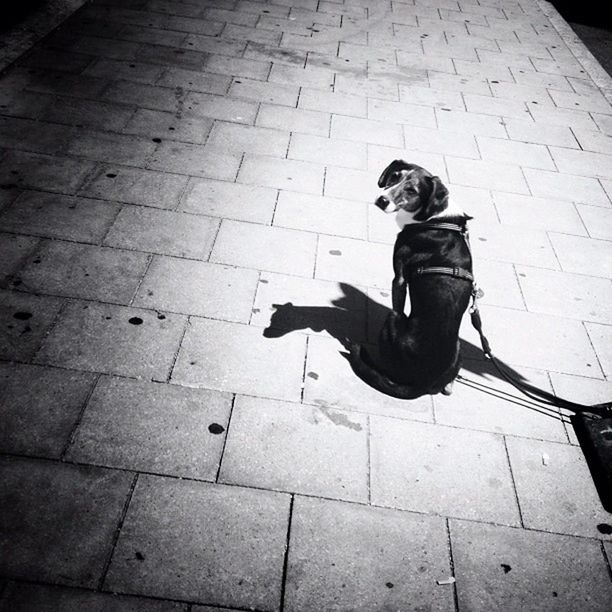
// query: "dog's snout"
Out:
[382,202]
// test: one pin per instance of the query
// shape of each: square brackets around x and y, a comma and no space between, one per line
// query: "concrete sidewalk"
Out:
[179,176]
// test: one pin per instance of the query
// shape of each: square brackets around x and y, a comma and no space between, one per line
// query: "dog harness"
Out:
[455,272]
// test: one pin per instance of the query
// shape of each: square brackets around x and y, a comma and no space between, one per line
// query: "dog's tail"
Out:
[366,370]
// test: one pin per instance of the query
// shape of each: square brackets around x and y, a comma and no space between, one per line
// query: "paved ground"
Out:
[177,177]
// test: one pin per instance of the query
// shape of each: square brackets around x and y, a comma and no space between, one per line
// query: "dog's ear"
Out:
[435,198]
[395,166]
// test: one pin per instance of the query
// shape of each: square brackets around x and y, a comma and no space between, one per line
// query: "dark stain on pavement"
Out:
[135,321]
[337,418]
[216,429]
[22,315]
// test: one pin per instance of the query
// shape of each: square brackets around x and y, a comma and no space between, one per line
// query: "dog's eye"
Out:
[394,177]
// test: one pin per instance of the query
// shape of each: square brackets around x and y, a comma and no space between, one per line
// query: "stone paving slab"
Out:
[251,363]
[498,242]
[598,225]
[546,184]
[163,232]
[84,271]
[20,597]
[58,216]
[538,213]
[194,160]
[44,172]
[544,472]
[182,285]
[114,340]
[14,250]
[157,124]
[136,186]
[572,296]
[440,461]
[30,135]
[59,520]
[40,408]
[148,427]
[582,255]
[293,175]
[251,245]
[337,256]
[177,523]
[332,446]
[323,215]
[353,557]
[230,200]
[503,568]
[25,319]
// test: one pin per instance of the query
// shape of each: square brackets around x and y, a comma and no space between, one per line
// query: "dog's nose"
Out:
[382,202]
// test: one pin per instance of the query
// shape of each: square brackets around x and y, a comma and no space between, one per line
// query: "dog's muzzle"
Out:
[385,204]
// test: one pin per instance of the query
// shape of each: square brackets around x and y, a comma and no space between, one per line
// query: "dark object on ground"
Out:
[595,437]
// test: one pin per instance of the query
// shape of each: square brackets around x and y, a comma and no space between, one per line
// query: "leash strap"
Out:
[600,410]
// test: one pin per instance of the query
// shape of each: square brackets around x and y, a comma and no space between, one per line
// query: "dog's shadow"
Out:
[355,317]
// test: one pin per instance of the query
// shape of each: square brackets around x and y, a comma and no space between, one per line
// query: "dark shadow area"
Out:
[350,319]
[588,12]
[592,22]
[12,12]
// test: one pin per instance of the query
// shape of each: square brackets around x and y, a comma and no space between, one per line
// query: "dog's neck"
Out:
[453,212]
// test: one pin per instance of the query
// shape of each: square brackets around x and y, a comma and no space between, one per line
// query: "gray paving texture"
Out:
[187,233]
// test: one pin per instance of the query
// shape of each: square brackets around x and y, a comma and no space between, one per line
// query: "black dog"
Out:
[419,353]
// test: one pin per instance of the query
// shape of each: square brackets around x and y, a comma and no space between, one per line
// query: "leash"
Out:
[538,395]
[533,393]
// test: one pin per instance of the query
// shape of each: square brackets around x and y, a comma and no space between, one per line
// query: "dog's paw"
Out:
[448,389]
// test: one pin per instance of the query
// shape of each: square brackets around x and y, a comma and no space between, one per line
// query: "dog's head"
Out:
[413,190]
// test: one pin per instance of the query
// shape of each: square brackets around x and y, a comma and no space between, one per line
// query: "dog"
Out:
[419,353]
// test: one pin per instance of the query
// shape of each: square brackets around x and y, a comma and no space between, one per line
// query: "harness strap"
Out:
[456,272]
